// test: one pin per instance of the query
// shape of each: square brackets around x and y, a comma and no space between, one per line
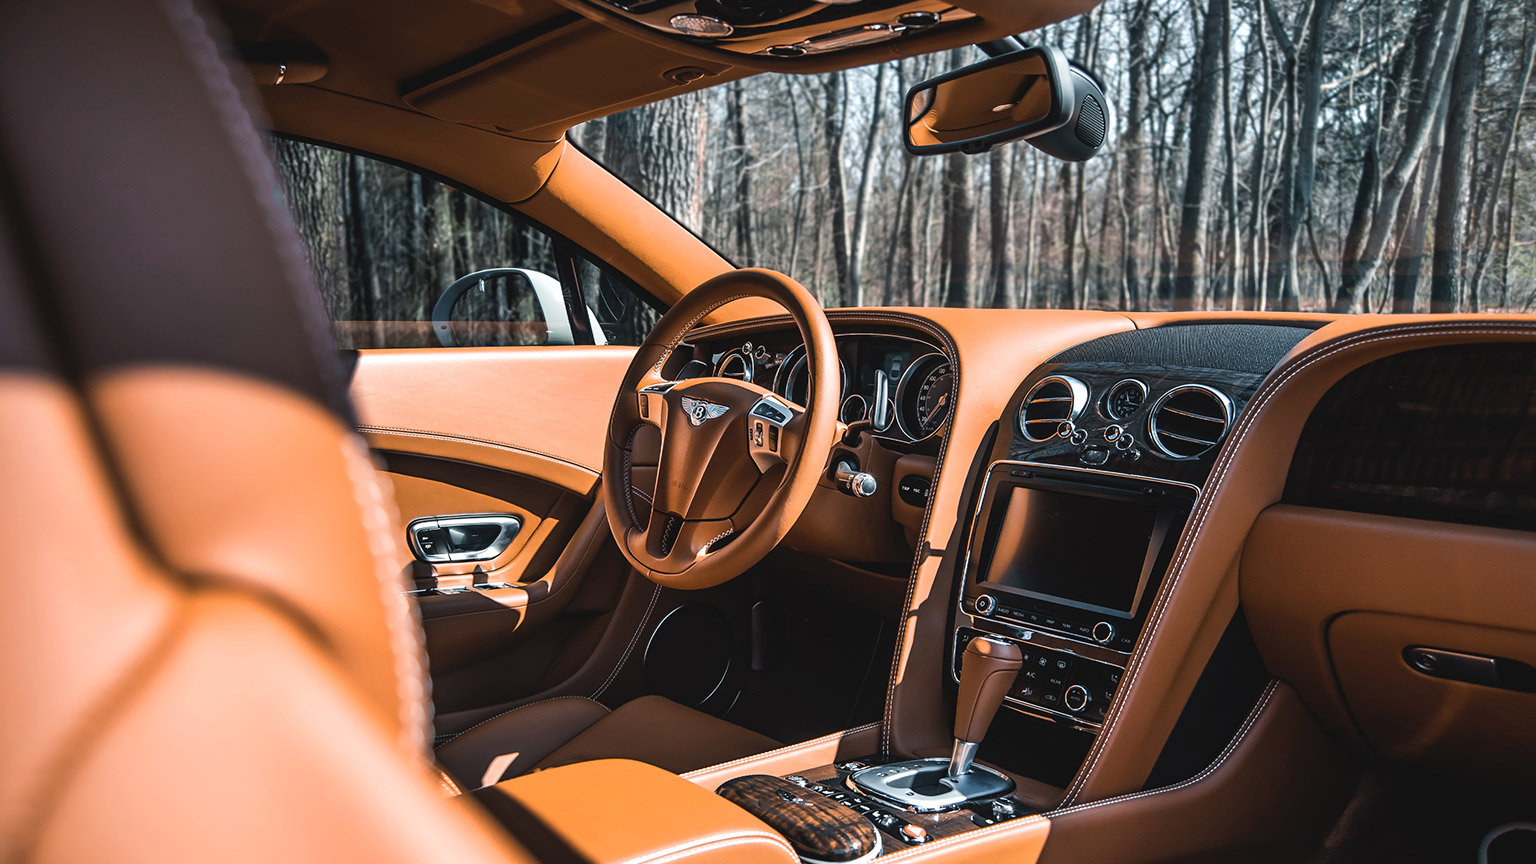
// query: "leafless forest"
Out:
[1266,154]
[1271,154]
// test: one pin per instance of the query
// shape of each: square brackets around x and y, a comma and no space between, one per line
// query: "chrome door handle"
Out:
[465,538]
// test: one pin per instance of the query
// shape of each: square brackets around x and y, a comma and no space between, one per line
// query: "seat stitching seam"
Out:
[406,641]
[1251,414]
[633,640]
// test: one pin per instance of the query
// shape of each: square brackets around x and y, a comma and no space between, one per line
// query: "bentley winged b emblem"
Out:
[698,410]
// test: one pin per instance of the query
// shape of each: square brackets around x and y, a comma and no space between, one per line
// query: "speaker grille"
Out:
[1090,123]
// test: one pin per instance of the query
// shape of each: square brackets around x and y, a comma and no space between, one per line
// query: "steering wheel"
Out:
[738,463]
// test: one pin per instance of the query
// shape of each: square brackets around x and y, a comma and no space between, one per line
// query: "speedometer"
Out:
[933,396]
[923,398]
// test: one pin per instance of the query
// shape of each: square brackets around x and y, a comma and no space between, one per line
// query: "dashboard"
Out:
[899,384]
[1107,449]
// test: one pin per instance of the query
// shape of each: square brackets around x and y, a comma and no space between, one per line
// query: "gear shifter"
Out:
[987,671]
[986,674]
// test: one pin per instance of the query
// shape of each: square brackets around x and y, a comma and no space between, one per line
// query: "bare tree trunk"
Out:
[1189,270]
[744,169]
[1359,274]
[1491,191]
[835,87]
[861,204]
[959,218]
[1451,213]
[997,216]
[1133,146]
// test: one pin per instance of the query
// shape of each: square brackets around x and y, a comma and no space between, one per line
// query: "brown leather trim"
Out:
[1333,598]
[1271,794]
[1249,475]
[581,479]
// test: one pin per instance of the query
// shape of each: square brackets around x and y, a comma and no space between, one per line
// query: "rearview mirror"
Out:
[1033,94]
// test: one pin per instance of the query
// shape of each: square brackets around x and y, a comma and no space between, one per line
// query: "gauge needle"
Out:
[936,407]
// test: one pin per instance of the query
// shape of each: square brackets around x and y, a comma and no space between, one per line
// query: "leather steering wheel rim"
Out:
[693,556]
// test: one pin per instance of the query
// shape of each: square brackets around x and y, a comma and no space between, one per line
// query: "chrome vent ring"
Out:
[1051,402]
[1189,421]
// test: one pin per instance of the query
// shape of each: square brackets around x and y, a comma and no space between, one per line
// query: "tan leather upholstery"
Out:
[571,729]
[641,813]
[206,654]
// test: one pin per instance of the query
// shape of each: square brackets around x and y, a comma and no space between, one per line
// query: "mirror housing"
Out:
[1033,94]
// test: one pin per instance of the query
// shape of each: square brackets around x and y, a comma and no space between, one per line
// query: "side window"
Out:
[405,261]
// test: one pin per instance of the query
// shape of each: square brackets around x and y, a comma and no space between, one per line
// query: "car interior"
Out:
[752,580]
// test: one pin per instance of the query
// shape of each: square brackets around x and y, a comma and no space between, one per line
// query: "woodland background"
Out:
[1353,155]
[1267,154]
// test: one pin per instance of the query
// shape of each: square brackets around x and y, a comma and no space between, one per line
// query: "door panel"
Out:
[529,402]
[515,431]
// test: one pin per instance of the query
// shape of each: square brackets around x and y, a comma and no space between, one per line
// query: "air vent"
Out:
[1051,402]
[1189,420]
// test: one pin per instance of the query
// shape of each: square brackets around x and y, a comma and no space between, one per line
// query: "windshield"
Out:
[1344,155]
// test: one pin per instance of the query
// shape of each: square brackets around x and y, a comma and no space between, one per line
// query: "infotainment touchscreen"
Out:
[1080,549]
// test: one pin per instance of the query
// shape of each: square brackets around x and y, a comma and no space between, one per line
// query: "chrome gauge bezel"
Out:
[1103,406]
[793,363]
[741,356]
[907,379]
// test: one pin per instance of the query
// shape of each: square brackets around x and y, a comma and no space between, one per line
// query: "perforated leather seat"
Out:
[206,653]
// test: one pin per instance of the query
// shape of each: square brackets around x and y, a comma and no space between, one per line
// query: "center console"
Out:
[1065,563]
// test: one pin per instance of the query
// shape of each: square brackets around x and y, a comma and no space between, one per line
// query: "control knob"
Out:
[1103,632]
[1076,698]
[986,604]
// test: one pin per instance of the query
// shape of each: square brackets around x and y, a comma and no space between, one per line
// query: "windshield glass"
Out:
[1346,155]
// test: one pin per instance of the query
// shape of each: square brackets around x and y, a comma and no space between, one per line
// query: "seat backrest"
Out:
[204,645]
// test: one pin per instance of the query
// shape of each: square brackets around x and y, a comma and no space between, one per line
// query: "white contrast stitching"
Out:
[1250,416]
[1242,734]
[781,751]
[519,708]
[406,643]
[922,535]
[485,442]
[633,641]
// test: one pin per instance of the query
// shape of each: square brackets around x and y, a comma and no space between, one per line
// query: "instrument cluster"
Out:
[900,385]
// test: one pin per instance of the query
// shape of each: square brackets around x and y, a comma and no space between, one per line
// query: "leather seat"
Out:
[204,645]
[574,729]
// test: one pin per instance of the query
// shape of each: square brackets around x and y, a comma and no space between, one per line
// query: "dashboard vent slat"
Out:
[1051,402]
[1188,421]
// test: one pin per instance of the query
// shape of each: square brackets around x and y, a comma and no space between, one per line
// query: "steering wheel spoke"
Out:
[736,462]
[774,427]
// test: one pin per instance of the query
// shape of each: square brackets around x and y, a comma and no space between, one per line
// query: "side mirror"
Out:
[505,306]
[1033,94]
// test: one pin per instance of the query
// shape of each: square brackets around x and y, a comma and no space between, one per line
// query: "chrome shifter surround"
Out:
[924,785]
